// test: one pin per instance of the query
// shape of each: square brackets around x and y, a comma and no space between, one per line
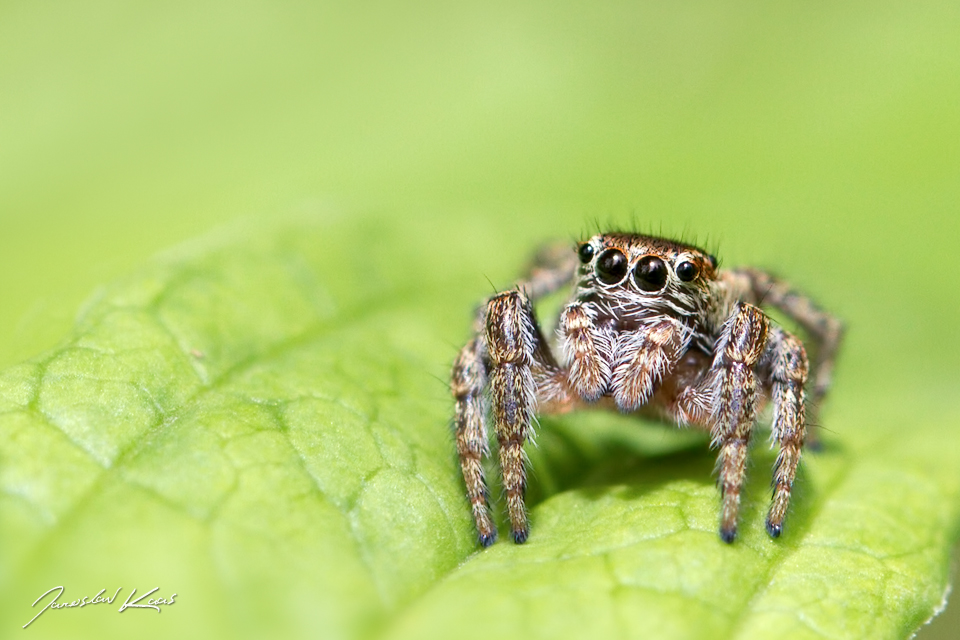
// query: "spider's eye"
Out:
[611,266]
[586,253]
[713,261]
[650,273]
[687,271]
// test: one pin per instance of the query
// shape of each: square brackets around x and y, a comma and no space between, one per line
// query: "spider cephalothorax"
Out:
[654,327]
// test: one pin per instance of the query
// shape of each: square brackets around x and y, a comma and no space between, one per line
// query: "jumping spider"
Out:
[654,326]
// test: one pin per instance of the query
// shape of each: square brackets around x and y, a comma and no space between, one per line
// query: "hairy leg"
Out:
[825,330]
[553,267]
[507,357]
[468,382]
[734,393]
[586,352]
[518,355]
[784,368]
[644,358]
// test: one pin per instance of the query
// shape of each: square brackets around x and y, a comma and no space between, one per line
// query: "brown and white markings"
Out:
[655,327]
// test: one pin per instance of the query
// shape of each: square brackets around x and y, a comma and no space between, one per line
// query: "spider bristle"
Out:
[492,286]
[596,223]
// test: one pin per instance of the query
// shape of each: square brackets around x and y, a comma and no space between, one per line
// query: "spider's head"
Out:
[646,271]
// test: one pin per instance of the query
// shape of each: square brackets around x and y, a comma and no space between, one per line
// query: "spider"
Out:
[654,327]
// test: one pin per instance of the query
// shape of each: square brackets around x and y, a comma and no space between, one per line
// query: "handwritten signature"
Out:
[152,603]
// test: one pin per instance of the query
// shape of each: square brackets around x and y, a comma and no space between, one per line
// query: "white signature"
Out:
[152,603]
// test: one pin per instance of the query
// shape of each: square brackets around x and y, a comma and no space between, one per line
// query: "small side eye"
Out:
[650,274]
[586,253]
[713,260]
[611,266]
[687,271]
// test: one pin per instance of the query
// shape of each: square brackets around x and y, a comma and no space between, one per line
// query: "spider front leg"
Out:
[645,357]
[506,321]
[510,358]
[734,412]
[586,351]
[517,351]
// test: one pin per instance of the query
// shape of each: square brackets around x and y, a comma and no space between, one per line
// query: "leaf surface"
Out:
[259,423]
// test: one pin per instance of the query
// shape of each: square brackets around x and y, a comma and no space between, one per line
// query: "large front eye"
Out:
[650,274]
[611,266]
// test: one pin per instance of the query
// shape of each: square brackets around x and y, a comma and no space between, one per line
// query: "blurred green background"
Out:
[821,139]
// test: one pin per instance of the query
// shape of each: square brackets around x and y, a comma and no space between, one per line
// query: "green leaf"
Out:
[259,423]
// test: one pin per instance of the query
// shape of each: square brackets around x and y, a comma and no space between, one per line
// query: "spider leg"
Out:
[518,355]
[468,382]
[825,330]
[734,412]
[645,358]
[554,266]
[785,370]
[506,321]
[586,351]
